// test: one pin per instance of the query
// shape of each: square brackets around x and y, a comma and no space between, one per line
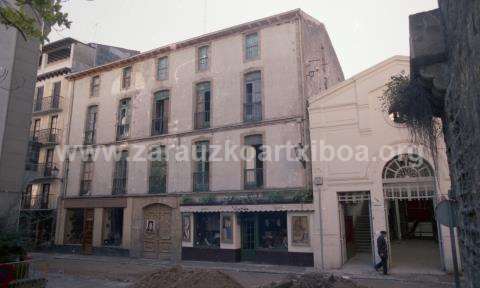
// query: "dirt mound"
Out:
[177,277]
[314,280]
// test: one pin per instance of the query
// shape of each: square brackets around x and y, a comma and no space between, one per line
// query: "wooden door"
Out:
[87,241]
[157,235]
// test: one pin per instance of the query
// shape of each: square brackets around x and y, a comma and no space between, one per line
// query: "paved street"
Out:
[78,271]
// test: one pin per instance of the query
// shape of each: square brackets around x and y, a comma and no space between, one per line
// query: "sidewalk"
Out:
[129,269]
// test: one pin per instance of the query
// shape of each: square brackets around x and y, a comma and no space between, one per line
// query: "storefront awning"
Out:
[247,208]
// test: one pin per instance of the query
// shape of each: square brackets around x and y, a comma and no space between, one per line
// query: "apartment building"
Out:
[247,86]
[50,116]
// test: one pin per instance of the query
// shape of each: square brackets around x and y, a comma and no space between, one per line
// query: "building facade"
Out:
[129,192]
[18,62]
[384,182]
[51,110]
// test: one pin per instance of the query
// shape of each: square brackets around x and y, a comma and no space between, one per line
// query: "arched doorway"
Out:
[157,231]
[409,192]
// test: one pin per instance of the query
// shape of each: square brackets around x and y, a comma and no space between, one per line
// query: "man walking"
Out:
[382,252]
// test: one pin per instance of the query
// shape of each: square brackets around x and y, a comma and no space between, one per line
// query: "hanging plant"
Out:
[413,105]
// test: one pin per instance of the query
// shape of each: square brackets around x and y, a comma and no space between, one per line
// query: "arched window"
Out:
[407,166]
[408,176]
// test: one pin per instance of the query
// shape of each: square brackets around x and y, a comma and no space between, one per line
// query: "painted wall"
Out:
[281,101]
[18,62]
[351,114]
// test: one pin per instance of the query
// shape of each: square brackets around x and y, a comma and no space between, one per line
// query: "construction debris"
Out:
[314,280]
[177,277]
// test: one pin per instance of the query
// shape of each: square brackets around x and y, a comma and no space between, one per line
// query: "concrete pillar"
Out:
[127,224]
[97,227]
[379,222]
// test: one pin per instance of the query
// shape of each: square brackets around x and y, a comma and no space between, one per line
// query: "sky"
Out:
[363,32]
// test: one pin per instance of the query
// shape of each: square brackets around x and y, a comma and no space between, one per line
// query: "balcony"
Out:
[159,126]
[89,137]
[253,178]
[49,136]
[202,120]
[85,187]
[123,131]
[36,202]
[157,184]
[44,170]
[119,186]
[48,104]
[200,181]
[252,112]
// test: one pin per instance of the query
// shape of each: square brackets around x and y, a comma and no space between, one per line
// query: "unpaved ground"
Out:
[107,272]
[177,277]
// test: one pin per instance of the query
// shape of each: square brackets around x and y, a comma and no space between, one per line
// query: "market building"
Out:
[395,187]
[247,85]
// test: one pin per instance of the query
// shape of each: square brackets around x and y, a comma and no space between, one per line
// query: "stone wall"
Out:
[462,123]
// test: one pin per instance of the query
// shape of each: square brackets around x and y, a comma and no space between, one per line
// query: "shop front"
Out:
[270,234]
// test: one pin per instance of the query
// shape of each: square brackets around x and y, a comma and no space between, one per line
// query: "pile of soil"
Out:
[177,277]
[314,280]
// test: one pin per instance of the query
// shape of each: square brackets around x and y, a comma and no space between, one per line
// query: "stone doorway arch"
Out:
[409,189]
[157,231]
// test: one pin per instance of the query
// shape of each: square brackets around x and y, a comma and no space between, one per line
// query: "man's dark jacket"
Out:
[382,245]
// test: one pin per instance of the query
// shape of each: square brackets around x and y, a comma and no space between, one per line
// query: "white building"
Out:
[394,188]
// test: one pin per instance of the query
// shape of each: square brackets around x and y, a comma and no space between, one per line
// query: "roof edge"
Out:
[284,16]
[362,74]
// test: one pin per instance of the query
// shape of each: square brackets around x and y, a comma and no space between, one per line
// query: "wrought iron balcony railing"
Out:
[50,136]
[157,184]
[252,112]
[85,187]
[89,137]
[44,104]
[253,178]
[200,181]
[31,202]
[159,126]
[202,120]
[123,131]
[44,170]
[119,186]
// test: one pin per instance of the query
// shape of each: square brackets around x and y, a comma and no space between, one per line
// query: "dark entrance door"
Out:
[249,230]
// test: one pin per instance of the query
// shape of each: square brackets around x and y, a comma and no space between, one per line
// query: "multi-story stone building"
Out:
[246,85]
[371,177]
[50,117]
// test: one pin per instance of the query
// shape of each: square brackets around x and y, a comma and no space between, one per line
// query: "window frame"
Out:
[90,172]
[199,101]
[165,115]
[260,96]
[128,117]
[247,47]
[127,77]
[204,164]
[95,87]
[163,165]
[87,128]
[165,70]
[124,173]
[201,67]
